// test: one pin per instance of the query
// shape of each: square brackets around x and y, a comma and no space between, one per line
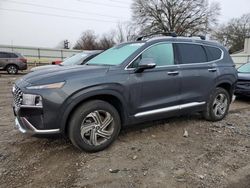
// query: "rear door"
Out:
[198,74]
[155,92]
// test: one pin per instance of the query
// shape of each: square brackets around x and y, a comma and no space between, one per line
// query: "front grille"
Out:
[18,96]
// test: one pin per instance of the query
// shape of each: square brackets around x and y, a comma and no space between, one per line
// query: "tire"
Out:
[217,106]
[12,69]
[94,126]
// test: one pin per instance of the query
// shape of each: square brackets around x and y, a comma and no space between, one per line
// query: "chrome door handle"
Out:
[212,70]
[173,73]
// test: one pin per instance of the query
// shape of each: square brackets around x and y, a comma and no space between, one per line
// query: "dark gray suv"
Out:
[128,84]
[12,62]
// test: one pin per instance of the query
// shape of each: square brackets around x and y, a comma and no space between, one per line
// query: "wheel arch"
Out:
[7,65]
[229,87]
[112,97]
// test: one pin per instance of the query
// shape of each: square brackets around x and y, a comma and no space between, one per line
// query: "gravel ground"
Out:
[149,155]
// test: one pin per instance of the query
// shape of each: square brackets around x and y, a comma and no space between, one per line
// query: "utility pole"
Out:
[66,44]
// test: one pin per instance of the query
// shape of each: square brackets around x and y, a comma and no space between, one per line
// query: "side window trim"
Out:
[165,42]
[203,45]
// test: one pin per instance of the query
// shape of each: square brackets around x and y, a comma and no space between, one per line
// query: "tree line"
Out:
[184,17]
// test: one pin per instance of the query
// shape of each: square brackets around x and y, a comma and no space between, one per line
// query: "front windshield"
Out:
[75,59]
[115,55]
[244,68]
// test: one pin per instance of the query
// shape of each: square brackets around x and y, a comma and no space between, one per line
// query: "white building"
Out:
[242,56]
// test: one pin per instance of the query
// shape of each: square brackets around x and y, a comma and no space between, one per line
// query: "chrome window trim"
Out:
[168,109]
[174,42]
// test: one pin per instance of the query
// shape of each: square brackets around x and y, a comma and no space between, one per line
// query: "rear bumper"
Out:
[23,66]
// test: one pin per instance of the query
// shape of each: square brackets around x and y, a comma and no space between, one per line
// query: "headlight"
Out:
[48,86]
[32,100]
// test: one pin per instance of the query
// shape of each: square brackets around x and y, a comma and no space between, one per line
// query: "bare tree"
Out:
[126,31]
[88,41]
[233,33]
[106,41]
[185,17]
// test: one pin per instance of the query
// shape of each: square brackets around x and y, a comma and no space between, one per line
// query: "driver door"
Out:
[158,89]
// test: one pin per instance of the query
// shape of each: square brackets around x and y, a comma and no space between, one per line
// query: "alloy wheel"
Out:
[12,69]
[97,127]
[220,105]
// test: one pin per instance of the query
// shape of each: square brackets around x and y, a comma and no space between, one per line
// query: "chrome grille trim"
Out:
[17,96]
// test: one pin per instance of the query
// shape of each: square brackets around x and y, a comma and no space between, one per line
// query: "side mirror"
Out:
[145,63]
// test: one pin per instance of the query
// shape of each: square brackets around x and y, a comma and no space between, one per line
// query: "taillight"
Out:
[23,60]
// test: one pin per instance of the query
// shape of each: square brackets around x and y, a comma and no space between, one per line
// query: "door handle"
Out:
[212,70]
[173,73]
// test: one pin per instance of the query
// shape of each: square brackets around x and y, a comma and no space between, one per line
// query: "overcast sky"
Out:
[44,23]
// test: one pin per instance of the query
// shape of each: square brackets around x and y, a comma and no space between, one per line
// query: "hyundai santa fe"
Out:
[131,83]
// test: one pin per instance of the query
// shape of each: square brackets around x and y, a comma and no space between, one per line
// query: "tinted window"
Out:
[162,54]
[213,53]
[191,53]
[13,55]
[4,55]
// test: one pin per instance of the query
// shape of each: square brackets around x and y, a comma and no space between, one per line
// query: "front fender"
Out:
[83,95]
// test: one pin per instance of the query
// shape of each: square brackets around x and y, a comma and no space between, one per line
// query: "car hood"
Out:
[44,67]
[46,76]
[244,76]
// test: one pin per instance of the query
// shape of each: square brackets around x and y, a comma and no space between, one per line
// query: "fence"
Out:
[39,55]
[240,59]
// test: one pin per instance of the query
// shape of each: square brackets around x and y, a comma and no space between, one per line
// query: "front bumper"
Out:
[24,126]
[25,115]
[242,91]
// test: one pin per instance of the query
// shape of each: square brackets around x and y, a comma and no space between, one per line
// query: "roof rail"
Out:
[202,37]
[171,34]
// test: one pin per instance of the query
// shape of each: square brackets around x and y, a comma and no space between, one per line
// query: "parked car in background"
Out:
[12,62]
[57,62]
[131,83]
[78,59]
[243,84]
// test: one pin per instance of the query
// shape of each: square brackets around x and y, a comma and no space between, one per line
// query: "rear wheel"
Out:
[218,105]
[94,126]
[12,69]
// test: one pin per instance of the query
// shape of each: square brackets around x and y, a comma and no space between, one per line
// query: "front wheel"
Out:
[217,106]
[94,126]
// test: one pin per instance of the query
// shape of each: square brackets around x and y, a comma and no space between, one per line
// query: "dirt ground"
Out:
[150,155]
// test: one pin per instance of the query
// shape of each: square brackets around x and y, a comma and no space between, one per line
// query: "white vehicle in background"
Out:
[78,59]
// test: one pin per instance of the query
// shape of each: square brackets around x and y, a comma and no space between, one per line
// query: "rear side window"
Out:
[4,55]
[191,53]
[213,53]
[12,55]
[7,55]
